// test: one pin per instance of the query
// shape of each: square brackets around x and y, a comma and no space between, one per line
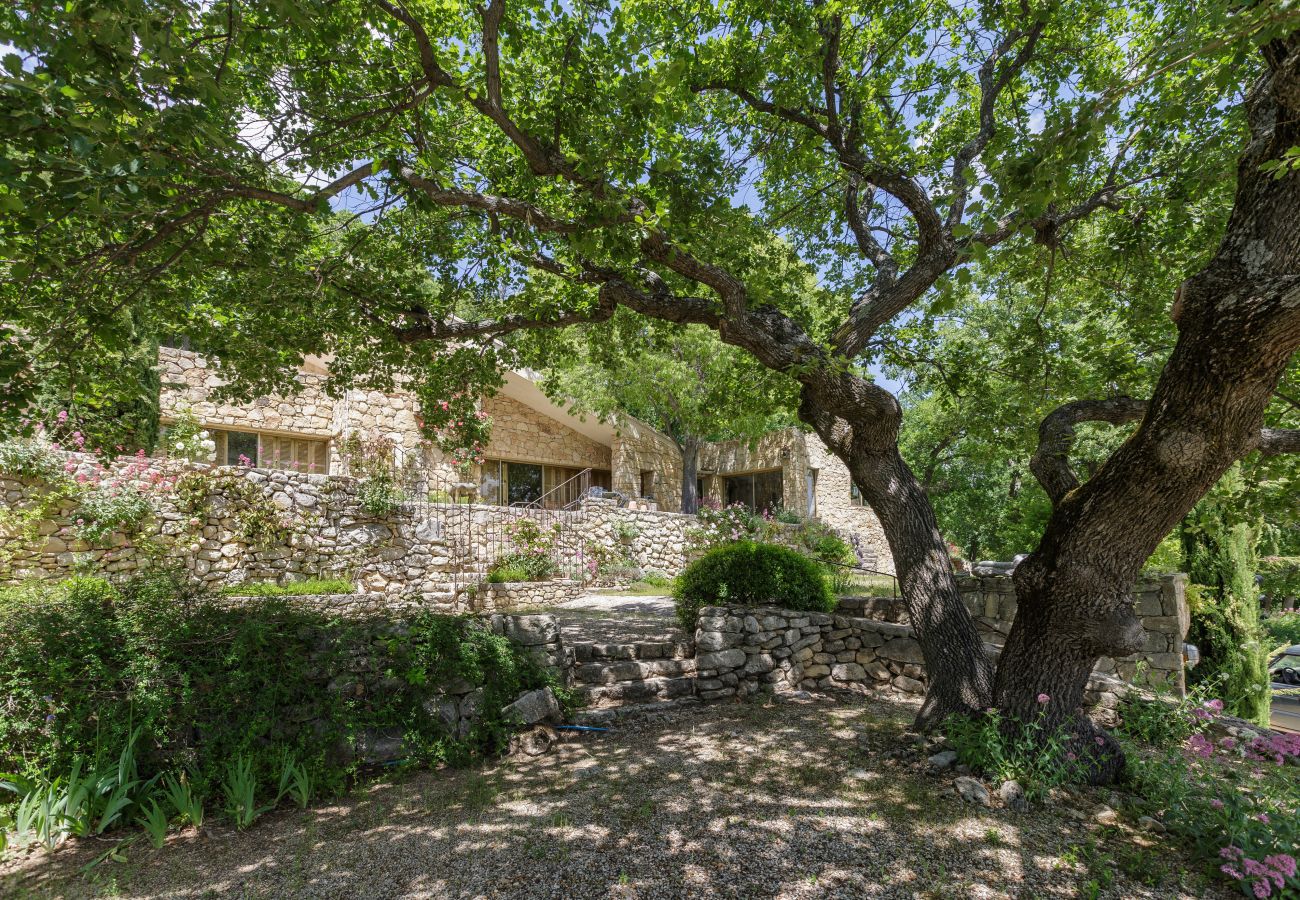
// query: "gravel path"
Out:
[615,619]
[784,799]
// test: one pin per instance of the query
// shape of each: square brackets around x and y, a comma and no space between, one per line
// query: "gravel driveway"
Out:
[788,799]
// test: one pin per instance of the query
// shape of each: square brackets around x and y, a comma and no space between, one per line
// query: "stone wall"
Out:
[248,525]
[1159,600]
[523,434]
[189,383]
[506,596]
[740,651]
[639,448]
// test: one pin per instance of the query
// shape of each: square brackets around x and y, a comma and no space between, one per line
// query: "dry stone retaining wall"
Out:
[742,650]
[1160,602]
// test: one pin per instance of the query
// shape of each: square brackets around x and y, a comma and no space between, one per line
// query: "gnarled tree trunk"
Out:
[1239,323]
[859,422]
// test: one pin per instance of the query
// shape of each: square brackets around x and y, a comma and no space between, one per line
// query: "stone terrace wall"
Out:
[1159,600]
[319,530]
[740,651]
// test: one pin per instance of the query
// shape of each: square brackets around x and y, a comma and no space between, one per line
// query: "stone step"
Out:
[587,651]
[613,671]
[624,693]
[613,714]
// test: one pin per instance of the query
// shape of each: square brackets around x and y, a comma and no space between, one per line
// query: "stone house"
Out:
[536,452]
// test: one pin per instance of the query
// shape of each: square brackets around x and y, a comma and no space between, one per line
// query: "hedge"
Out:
[751,574]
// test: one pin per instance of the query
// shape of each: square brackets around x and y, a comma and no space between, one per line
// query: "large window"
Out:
[271,451]
[758,490]
[520,484]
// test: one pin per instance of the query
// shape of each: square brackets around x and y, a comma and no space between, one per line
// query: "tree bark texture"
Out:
[1239,323]
[960,673]
[690,474]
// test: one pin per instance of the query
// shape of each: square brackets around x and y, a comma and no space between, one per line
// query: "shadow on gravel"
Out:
[786,800]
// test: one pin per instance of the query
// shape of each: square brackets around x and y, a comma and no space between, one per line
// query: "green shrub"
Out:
[1034,755]
[307,587]
[750,574]
[195,685]
[1280,576]
[522,567]
[1283,630]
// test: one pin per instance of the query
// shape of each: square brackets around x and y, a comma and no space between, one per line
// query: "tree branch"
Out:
[456,329]
[533,216]
[992,83]
[1051,461]
[1277,441]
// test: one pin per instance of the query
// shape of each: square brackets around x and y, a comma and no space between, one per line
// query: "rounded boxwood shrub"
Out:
[751,574]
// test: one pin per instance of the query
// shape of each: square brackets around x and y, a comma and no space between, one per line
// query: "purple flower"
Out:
[1199,745]
[1217,804]
[1043,698]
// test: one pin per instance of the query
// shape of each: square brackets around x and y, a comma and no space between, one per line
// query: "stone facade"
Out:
[645,465]
[525,435]
[640,449]
[815,483]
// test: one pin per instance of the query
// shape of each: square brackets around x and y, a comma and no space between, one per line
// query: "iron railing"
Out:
[566,495]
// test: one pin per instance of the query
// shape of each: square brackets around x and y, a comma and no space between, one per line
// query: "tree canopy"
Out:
[408,185]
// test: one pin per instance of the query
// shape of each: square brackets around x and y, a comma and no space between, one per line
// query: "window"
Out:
[648,484]
[810,481]
[855,495]
[506,483]
[758,490]
[271,451]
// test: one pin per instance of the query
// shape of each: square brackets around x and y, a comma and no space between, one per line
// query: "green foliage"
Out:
[1280,577]
[372,461]
[721,525]
[106,390]
[188,439]
[184,799]
[306,587]
[750,574]
[217,693]
[32,460]
[520,567]
[685,382]
[1282,629]
[95,794]
[112,507]
[532,554]
[1220,552]
[1235,803]
[240,787]
[1030,753]
[155,822]
[296,782]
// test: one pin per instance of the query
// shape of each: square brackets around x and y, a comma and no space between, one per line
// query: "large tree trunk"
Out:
[959,673]
[1239,323]
[690,474]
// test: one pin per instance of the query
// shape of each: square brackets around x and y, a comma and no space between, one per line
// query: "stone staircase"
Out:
[612,680]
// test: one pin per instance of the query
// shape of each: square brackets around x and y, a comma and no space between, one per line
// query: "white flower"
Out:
[180,445]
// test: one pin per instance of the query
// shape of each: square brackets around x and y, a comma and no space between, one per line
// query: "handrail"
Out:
[540,502]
